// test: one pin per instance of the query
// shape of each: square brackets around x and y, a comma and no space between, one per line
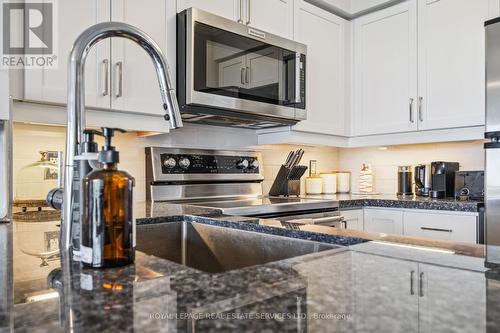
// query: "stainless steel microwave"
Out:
[235,75]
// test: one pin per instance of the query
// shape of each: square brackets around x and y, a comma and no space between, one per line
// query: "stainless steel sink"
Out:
[216,249]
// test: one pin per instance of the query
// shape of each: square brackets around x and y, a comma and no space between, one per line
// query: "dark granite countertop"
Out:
[357,286]
[350,201]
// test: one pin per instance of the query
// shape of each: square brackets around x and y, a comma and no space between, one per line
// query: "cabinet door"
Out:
[449,294]
[325,36]
[385,70]
[454,227]
[232,73]
[353,219]
[451,62]
[226,8]
[383,220]
[385,294]
[134,80]
[262,68]
[274,16]
[329,288]
[50,84]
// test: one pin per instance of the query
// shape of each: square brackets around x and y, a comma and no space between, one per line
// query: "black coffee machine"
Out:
[443,179]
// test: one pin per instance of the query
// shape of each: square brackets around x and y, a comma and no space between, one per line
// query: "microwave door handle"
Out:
[298,99]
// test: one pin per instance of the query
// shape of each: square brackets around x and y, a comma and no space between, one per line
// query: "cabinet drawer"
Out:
[384,220]
[454,227]
[353,219]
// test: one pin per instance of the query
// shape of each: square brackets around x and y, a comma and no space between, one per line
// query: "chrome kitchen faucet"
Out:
[76,101]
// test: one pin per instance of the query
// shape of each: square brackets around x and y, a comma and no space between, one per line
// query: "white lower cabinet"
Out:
[353,219]
[394,295]
[447,292]
[439,225]
[442,226]
[385,297]
[383,220]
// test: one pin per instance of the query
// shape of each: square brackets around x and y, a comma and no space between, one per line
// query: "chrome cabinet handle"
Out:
[242,76]
[436,229]
[105,83]
[247,75]
[249,11]
[420,113]
[412,280]
[119,71]
[240,18]
[411,111]
[421,284]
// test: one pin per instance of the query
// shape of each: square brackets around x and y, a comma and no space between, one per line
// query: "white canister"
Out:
[329,182]
[314,185]
[343,181]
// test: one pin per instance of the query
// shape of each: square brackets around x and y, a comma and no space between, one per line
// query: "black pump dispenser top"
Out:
[89,145]
[108,154]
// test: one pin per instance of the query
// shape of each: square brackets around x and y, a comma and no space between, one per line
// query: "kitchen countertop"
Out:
[350,288]
[349,201]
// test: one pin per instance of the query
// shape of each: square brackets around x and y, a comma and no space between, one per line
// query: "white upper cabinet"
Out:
[230,9]
[451,62]
[50,84]
[448,91]
[119,75]
[326,37]
[385,70]
[134,84]
[274,16]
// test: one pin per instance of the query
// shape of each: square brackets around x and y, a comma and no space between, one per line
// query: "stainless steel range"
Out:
[230,181]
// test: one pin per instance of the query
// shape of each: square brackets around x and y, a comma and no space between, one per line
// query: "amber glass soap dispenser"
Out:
[108,226]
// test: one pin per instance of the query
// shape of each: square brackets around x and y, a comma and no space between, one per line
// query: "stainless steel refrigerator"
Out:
[492,148]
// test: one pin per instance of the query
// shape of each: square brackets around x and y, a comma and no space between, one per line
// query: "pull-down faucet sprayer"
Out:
[76,103]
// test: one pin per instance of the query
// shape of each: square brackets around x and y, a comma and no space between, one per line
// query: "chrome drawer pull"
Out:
[436,229]
[412,289]
[421,285]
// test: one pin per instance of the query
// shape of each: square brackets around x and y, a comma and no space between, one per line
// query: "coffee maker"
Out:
[443,179]
[422,180]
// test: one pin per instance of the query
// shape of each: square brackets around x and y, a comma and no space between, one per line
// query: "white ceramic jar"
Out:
[314,185]
[343,182]
[329,182]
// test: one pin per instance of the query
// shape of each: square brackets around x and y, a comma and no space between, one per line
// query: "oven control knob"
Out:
[243,164]
[254,165]
[170,163]
[184,163]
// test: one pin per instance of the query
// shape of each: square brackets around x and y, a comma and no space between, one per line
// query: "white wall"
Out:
[385,162]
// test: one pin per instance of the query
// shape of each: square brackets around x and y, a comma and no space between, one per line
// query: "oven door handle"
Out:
[320,220]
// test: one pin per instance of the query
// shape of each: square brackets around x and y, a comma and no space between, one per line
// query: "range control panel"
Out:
[208,164]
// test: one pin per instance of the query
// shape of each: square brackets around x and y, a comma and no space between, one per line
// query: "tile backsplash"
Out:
[275,155]
[29,140]
[385,160]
